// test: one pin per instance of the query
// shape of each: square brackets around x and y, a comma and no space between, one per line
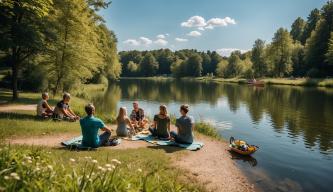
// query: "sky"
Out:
[216,25]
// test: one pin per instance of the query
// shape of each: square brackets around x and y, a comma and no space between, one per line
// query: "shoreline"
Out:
[302,82]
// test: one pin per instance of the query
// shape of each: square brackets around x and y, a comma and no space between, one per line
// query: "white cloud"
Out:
[181,40]
[195,21]
[227,51]
[161,36]
[200,22]
[194,34]
[161,42]
[217,22]
[132,42]
[145,41]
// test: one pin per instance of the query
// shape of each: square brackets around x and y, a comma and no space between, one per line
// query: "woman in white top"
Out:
[122,122]
[43,108]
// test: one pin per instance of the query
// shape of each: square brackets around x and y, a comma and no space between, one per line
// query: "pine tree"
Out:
[297,29]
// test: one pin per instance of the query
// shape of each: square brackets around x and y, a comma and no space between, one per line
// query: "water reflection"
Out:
[303,112]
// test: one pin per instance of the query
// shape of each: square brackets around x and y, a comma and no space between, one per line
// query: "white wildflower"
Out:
[6,177]
[13,174]
[140,170]
[50,167]
[107,165]
[99,168]
[94,161]
[72,160]
[116,161]
[37,169]
[29,161]
[109,169]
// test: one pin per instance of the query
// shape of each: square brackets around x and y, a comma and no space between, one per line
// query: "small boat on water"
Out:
[241,147]
[256,83]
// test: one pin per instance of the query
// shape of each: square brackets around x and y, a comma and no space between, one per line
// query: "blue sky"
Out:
[221,25]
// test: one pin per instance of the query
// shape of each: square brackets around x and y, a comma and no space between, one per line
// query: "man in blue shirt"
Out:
[90,126]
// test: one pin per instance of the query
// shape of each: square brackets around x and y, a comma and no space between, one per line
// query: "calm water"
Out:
[292,125]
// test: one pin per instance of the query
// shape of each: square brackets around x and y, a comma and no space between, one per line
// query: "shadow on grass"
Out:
[20,116]
[245,158]
[167,149]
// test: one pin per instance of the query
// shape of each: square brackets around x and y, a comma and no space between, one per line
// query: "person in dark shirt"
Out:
[63,111]
[161,126]
[137,116]
[185,126]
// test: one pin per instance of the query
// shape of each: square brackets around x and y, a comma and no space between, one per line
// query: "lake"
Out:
[293,126]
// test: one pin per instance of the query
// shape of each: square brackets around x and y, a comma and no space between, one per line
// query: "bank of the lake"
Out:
[165,168]
[309,82]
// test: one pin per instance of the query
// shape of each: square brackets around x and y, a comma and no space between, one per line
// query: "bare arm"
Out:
[48,106]
[71,112]
[66,112]
[106,129]
[129,123]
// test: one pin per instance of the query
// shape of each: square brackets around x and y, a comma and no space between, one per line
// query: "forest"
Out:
[304,51]
[55,45]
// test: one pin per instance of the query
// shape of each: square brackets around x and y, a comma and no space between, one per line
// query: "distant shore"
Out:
[308,82]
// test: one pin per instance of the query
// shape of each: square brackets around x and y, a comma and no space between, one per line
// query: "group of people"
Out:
[126,126]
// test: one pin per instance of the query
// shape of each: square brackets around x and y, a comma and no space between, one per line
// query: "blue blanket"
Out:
[76,143]
[149,138]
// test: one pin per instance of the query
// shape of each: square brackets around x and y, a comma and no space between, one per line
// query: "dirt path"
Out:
[9,108]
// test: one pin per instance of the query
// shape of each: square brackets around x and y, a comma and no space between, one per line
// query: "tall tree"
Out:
[221,70]
[310,25]
[317,45]
[234,65]
[258,58]
[297,29]
[281,53]
[22,32]
[148,65]
[206,61]
[329,54]
[215,59]
[194,64]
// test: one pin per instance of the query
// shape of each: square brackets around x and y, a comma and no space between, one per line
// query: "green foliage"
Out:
[297,29]
[149,65]
[280,53]
[194,64]
[329,54]
[310,25]
[221,70]
[258,58]
[206,129]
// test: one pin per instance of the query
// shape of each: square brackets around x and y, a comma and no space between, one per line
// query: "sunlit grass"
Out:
[207,129]
[45,169]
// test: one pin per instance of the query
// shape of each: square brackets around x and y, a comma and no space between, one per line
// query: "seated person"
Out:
[122,122]
[43,108]
[89,128]
[63,111]
[161,126]
[138,116]
[185,126]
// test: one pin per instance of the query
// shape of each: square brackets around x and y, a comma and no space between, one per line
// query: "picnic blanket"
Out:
[75,143]
[150,139]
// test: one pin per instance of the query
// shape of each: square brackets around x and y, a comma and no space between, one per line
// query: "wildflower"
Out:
[13,174]
[116,161]
[6,177]
[107,165]
[140,170]
[37,169]
[99,168]
[113,166]
[94,161]
[38,157]
[72,160]
[29,161]
[87,157]
[50,167]
[103,169]
[17,178]
[28,157]
[109,169]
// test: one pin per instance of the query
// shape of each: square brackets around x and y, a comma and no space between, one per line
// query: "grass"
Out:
[24,168]
[207,129]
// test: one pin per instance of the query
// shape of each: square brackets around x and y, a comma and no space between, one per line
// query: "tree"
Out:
[165,58]
[318,43]
[310,25]
[221,70]
[148,65]
[297,29]
[215,59]
[299,67]
[206,61]
[132,68]
[22,32]
[75,55]
[234,65]
[280,53]
[329,54]
[258,58]
[194,64]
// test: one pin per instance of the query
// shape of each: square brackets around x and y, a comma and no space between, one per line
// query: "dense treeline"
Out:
[56,44]
[307,50]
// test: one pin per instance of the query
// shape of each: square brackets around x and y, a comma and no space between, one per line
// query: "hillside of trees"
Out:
[55,44]
[304,51]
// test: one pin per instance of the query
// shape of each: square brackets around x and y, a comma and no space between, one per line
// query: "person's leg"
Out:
[153,131]
[173,135]
[104,138]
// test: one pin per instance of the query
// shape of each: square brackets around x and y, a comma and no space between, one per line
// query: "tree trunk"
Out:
[14,79]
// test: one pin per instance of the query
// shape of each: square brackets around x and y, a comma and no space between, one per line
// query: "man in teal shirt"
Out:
[90,126]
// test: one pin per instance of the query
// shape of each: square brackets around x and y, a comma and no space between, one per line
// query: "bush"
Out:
[313,72]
